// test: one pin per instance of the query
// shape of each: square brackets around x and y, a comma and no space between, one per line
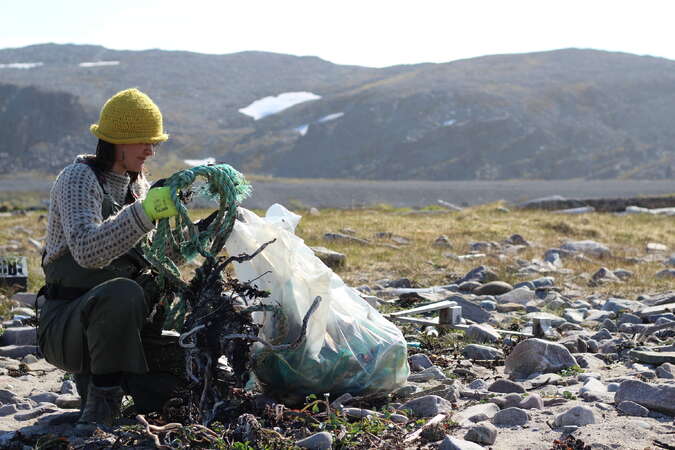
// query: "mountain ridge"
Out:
[565,113]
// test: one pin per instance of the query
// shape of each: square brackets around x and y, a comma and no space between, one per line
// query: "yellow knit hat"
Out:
[130,117]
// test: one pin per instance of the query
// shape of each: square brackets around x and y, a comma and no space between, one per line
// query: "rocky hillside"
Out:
[561,114]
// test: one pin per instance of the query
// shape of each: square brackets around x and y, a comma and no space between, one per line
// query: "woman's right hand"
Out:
[158,203]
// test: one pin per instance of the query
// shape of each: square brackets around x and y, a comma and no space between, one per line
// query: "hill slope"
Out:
[561,114]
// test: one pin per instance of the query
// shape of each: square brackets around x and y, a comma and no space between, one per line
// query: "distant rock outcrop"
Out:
[40,130]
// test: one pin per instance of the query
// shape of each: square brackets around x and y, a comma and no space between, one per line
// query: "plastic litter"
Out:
[349,347]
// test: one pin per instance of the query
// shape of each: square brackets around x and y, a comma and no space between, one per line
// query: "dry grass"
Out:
[426,265]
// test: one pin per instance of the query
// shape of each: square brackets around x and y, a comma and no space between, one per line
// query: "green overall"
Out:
[102,330]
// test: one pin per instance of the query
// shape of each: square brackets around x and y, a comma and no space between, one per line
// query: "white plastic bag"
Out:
[349,346]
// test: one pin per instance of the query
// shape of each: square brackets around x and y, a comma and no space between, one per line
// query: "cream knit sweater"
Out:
[75,220]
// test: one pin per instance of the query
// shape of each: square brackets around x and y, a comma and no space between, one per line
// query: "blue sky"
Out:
[363,32]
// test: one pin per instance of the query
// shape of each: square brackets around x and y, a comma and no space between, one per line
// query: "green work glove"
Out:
[158,203]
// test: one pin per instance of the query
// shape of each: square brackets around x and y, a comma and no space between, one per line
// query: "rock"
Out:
[482,333]
[469,286]
[19,336]
[399,283]
[7,410]
[470,310]
[510,307]
[481,274]
[533,401]
[593,390]
[483,433]
[632,409]
[29,359]
[317,441]
[428,406]
[8,397]
[419,361]
[520,295]
[49,397]
[602,335]
[506,386]
[488,305]
[665,273]
[511,417]
[453,443]
[428,374]
[493,288]
[587,247]
[628,318]
[623,274]
[478,384]
[314,212]
[573,316]
[621,304]
[476,413]
[604,274]
[578,415]
[609,324]
[442,242]
[482,352]
[329,257]
[67,401]
[652,357]
[556,321]
[33,413]
[398,418]
[537,355]
[653,396]
[18,351]
[345,238]
[666,370]
[547,378]
[654,247]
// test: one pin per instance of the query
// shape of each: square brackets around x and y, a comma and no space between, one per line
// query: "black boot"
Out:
[82,385]
[103,406]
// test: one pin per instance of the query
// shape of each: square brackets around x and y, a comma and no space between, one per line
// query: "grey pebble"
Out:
[317,441]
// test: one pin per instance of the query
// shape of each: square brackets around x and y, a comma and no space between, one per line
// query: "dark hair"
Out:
[105,159]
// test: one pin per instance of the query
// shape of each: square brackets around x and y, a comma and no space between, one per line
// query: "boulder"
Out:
[511,417]
[520,295]
[506,386]
[653,396]
[317,441]
[19,336]
[587,247]
[428,406]
[483,433]
[578,416]
[482,333]
[453,443]
[493,288]
[419,361]
[632,409]
[482,352]
[537,356]
[666,370]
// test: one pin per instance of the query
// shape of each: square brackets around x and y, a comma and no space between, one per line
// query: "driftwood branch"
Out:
[276,348]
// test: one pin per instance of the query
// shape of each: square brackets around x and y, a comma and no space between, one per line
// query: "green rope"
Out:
[222,182]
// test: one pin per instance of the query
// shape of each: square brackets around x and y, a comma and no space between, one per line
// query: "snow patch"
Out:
[21,65]
[199,162]
[447,123]
[330,117]
[271,105]
[99,63]
[302,129]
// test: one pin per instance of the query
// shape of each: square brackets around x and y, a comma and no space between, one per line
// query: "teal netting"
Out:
[223,183]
